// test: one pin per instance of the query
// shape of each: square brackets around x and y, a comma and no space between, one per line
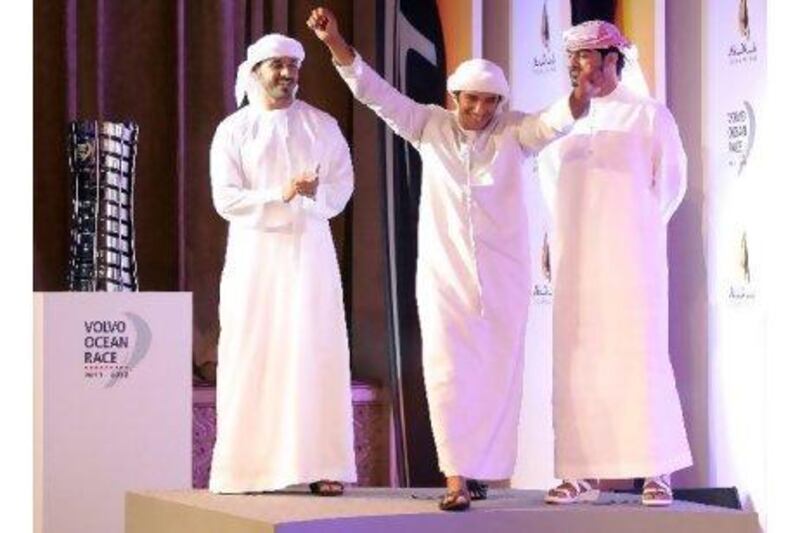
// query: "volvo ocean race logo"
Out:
[112,348]
[740,135]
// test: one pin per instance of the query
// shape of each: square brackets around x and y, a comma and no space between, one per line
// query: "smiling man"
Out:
[473,266]
[279,170]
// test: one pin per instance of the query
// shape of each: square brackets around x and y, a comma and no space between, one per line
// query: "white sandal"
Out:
[657,491]
[572,491]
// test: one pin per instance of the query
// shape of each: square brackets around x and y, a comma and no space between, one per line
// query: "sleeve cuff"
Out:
[353,70]
[273,194]
[317,204]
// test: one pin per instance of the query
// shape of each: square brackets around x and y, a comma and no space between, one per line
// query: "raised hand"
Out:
[586,88]
[324,24]
[589,85]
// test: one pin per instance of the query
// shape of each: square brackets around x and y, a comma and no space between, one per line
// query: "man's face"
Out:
[278,77]
[592,63]
[476,109]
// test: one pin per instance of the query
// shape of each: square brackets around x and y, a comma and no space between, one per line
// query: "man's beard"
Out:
[573,77]
[283,90]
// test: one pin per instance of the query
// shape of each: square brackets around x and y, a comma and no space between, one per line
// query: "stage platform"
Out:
[379,510]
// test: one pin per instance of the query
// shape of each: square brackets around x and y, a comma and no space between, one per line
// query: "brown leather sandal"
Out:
[657,492]
[478,490]
[455,500]
[326,488]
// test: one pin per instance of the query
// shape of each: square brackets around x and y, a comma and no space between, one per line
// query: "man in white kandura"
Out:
[613,183]
[473,267]
[279,170]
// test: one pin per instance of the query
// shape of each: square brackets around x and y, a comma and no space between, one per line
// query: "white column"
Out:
[782,219]
[538,76]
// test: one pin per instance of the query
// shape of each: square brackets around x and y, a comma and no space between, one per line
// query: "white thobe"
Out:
[614,182]
[473,277]
[284,412]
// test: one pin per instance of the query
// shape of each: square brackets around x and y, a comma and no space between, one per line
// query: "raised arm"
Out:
[537,130]
[403,115]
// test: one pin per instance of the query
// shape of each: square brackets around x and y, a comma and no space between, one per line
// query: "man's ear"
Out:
[611,60]
[455,98]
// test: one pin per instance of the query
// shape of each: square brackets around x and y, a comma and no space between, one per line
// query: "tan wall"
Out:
[457,31]
[637,20]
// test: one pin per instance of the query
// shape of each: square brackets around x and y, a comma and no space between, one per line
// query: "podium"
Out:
[112,405]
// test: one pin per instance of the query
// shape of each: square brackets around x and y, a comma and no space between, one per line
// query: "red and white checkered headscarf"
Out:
[594,35]
[599,35]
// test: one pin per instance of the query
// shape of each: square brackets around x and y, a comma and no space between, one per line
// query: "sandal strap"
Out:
[477,489]
[570,486]
[454,500]
[326,487]
[454,495]
[662,484]
[579,485]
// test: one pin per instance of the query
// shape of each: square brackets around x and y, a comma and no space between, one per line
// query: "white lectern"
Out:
[112,404]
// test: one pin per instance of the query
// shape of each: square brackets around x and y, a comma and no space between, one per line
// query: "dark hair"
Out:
[620,58]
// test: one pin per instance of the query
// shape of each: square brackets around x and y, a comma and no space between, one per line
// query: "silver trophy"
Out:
[102,162]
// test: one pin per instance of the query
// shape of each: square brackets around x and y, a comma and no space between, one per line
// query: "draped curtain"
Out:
[168,65]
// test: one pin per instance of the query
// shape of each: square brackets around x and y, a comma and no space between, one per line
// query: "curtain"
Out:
[168,65]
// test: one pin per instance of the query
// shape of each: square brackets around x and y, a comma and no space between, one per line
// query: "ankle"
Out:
[455,483]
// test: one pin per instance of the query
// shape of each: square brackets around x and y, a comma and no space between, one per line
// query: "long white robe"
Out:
[614,182]
[284,412]
[473,268]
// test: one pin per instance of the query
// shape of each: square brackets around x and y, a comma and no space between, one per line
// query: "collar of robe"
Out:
[618,91]
[472,136]
[264,120]
[261,109]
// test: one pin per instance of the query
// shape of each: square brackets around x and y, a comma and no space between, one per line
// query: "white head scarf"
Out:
[599,35]
[479,75]
[271,45]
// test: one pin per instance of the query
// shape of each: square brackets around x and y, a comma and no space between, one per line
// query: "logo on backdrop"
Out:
[545,27]
[744,50]
[741,132]
[546,61]
[741,290]
[112,348]
[744,260]
[543,292]
[744,20]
